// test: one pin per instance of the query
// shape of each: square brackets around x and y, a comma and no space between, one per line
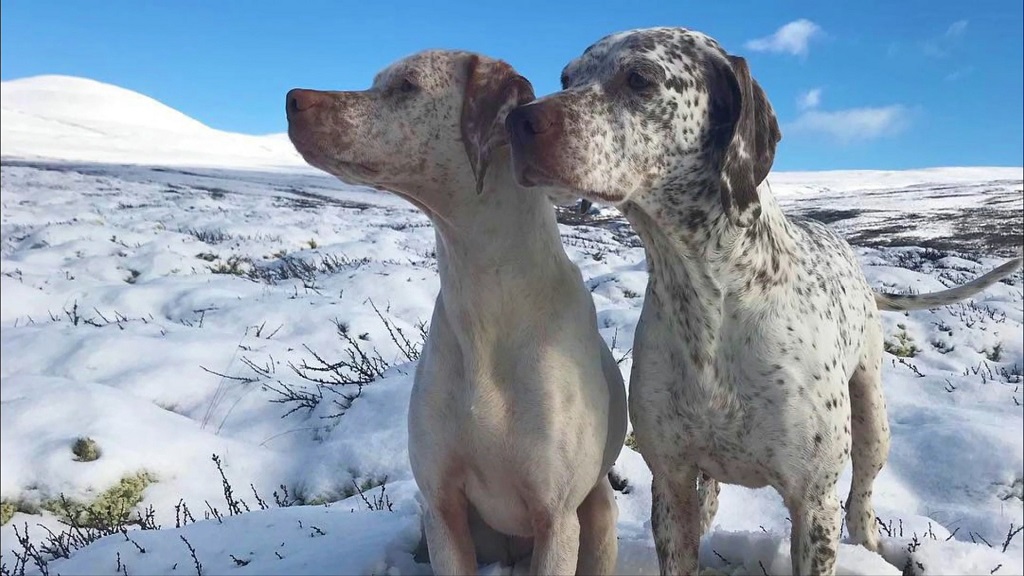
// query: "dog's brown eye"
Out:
[638,82]
[407,86]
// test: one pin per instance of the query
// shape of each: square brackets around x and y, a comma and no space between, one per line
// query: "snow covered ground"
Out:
[172,303]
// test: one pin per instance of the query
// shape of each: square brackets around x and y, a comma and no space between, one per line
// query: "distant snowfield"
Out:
[68,118]
[154,297]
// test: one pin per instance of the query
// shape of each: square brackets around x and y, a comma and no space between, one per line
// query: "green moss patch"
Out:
[902,344]
[7,510]
[86,450]
[110,508]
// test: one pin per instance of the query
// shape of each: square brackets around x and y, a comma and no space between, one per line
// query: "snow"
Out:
[786,184]
[300,540]
[80,119]
[116,326]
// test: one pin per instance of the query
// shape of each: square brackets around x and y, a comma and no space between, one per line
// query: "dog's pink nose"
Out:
[299,100]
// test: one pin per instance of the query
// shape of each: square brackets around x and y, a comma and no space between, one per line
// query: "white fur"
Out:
[518,408]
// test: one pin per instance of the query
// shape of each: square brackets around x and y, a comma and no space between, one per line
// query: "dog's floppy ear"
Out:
[749,148]
[493,89]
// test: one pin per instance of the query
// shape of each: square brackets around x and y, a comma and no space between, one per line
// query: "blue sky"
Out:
[874,84]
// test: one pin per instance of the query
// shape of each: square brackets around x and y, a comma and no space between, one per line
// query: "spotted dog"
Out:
[518,409]
[757,357]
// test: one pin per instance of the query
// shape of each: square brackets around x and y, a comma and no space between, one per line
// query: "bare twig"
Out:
[1011,534]
[192,551]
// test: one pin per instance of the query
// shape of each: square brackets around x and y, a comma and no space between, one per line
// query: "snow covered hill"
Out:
[163,304]
[69,118]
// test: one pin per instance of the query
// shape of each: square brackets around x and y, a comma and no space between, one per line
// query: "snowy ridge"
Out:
[88,104]
[69,118]
[788,184]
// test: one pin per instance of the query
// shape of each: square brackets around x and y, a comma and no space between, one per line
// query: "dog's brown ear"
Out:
[749,148]
[493,89]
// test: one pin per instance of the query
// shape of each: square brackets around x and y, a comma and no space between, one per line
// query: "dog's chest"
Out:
[515,455]
[698,419]
[748,402]
[516,434]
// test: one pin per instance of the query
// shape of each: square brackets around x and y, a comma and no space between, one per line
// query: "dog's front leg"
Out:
[449,539]
[815,533]
[599,546]
[676,521]
[556,542]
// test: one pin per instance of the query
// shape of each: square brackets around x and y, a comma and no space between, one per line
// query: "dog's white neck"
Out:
[499,254]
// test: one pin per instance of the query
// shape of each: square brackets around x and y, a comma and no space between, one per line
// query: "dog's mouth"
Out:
[357,167]
[349,172]
[601,197]
[531,173]
[531,176]
[326,158]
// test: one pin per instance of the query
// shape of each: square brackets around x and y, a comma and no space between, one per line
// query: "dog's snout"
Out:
[535,131]
[529,121]
[300,100]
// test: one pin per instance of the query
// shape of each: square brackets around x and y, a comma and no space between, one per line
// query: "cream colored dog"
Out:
[518,408]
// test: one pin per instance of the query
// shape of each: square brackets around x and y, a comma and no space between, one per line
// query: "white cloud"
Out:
[792,38]
[810,99]
[941,46]
[854,124]
[956,29]
[959,73]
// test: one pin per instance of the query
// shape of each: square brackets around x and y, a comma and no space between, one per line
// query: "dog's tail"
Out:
[900,302]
